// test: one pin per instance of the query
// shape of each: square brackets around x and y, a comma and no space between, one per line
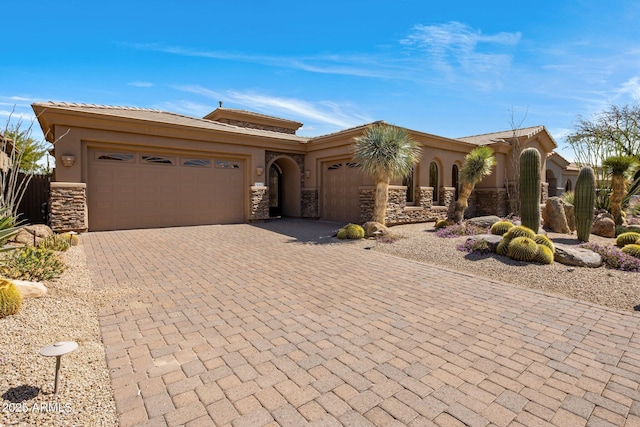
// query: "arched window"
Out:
[455,180]
[433,180]
[568,186]
[408,181]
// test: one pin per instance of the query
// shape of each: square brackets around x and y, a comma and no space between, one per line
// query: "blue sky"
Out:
[453,69]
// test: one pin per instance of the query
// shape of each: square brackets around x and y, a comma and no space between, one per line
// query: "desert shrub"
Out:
[31,263]
[10,298]
[441,224]
[544,255]
[627,238]
[55,242]
[477,246]
[633,250]
[613,257]
[457,230]
[541,239]
[522,249]
[501,227]
[520,231]
[568,197]
[621,229]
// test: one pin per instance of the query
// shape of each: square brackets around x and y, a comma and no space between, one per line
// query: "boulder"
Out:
[484,221]
[30,289]
[576,256]
[554,216]
[373,228]
[604,225]
[491,239]
[570,213]
[25,236]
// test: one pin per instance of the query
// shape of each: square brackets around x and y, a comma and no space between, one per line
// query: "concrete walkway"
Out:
[265,325]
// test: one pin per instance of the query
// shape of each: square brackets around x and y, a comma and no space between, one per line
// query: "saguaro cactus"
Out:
[584,199]
[530,188]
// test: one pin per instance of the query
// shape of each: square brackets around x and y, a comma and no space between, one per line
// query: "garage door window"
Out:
[115,157]
[199,163]
[157,160]
[223,164]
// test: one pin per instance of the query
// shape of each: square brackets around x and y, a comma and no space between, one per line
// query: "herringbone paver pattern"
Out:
[238,325]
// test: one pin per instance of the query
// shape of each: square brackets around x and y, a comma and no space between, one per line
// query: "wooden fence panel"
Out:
[34,207]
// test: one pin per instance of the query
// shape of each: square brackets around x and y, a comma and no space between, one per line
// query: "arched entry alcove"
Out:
[553,183]
[284,187]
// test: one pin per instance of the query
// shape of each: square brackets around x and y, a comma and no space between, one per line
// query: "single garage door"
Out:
[147,190]
[341,196]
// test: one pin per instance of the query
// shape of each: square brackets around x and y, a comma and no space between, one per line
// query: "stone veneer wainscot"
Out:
[68,206]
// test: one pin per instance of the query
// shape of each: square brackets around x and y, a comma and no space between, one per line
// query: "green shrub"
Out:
[632,249]
[55,242]
[501,227]
[627,238]
[10,298]
[620,229]
[522,249]
[520,231]
[30,263]
[541,239]
[441,224]
[544,255]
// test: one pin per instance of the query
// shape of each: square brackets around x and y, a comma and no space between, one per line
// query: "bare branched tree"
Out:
[513,185]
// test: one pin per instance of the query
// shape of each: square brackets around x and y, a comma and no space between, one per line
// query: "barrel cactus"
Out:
[354,231]
[632,249]
[584,200]
[541,239]
[342,234]
[520,231]
[530,188]
[628,238]
[544,255]
[443,223]
[503,246]
[10,298]
[522,249]
[501,227]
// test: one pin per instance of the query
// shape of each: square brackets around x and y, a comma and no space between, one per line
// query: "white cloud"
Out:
[140,84]
[325,112]
[456,49]
[631,88]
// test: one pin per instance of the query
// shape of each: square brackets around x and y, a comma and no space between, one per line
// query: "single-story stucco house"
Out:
[124,168]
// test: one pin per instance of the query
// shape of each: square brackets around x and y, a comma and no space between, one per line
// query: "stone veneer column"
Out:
[68,206]
[259,203]
[425,197]
[448,195]
[309,203]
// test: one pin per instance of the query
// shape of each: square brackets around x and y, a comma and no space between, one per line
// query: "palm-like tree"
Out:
[477,164]
[385,152]
[619,168]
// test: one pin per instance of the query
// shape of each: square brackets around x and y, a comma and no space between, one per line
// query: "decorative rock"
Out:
[579,257]
[554,215]
[604,225]
[25,236]
[372,227]
[491,239]
[570,214]
[484,221]
[30,289]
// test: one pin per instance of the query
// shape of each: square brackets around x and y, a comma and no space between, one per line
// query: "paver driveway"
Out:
[241,325]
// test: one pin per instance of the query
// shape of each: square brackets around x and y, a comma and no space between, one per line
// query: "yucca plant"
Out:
[620,169]
[477,164]
[385,152]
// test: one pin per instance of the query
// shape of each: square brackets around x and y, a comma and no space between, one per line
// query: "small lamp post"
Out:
[58,349]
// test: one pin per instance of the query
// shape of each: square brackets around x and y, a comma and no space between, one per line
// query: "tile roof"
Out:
[160,116]
[502,136]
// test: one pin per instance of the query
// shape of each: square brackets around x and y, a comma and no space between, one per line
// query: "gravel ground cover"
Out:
[67,313]
[612,288]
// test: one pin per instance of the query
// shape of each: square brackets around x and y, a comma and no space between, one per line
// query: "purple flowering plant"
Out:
[613,257]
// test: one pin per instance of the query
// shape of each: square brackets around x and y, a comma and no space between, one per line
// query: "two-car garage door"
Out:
[145,190]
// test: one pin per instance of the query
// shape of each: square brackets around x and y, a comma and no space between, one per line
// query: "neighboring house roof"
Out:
[7,144]
[150,115]
[220,114]
[505,135]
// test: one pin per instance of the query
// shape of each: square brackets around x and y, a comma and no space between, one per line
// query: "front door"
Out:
[275,191]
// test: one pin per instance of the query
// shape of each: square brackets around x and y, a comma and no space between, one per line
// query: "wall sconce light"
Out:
[259,170]
[68,161]
[307,174]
